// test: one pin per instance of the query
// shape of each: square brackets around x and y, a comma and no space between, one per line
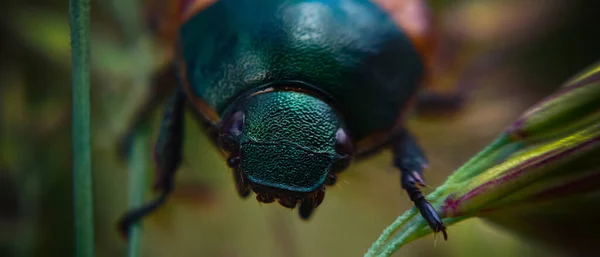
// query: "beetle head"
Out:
[285,146]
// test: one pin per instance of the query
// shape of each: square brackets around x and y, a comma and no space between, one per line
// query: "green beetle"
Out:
[292,91]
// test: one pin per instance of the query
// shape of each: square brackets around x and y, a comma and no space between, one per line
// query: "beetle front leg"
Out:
[163,83]
[449,85]
[167,156]
[411,161]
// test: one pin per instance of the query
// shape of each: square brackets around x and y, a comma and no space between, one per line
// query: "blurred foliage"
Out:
[527,48]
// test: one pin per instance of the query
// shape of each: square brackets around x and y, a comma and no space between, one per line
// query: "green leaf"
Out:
[572,106]
[548,157]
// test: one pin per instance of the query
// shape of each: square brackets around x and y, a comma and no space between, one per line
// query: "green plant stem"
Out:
[137,183]
[79,22]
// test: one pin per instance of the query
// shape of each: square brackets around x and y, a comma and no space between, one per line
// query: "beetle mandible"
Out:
[292,91]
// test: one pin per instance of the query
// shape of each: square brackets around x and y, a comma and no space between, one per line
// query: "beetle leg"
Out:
[448,86]
[433,102]
[167,156]
[163,82]
[411,161]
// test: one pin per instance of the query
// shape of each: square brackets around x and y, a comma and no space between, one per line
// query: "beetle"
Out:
[292,92]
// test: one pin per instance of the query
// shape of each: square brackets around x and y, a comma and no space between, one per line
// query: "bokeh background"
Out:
[515,52]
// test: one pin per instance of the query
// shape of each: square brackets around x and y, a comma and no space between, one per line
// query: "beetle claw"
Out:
[416,178]
[445,234]
[430,215]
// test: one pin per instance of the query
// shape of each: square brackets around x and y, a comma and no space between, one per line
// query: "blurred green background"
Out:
[525,49]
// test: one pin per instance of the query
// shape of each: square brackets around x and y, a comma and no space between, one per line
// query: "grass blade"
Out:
[137,183]
[547,156]
[79,21]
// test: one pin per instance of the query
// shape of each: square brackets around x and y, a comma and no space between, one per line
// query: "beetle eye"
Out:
[343,143]
[231,128]
[233,124]
[343,147]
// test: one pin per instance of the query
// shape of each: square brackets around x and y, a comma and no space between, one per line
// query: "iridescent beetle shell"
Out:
[343,71]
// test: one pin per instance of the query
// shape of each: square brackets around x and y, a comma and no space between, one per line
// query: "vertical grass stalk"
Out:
[79,21]
[138,163]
